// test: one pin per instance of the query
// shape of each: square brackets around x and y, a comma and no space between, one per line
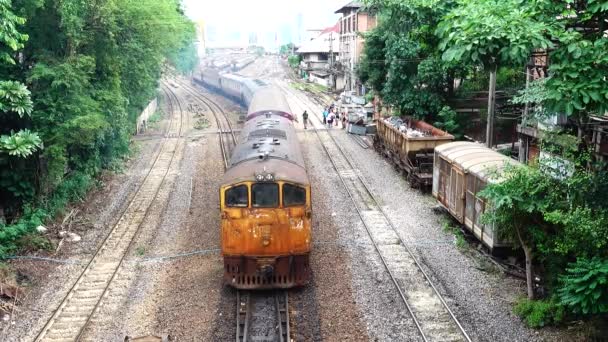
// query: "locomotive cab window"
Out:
[265,195]
[237,196]
[293,195]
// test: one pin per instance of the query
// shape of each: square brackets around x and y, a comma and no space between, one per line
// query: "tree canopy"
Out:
[74,75]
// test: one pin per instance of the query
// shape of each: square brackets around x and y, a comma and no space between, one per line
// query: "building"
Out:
[355,20]
[531,131]
[318,56]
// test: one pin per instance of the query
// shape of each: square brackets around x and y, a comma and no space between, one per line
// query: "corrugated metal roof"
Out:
[474,158]
[352,4]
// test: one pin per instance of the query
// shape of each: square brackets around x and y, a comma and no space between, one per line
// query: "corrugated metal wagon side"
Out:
[460,171]
[411,155]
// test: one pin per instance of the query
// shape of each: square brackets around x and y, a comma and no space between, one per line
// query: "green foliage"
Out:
[518,202]
[492,33]
[539,313]
[14,97]
[91,69]
[294,61]
[584,287]
[401,59]
[21,144]
[11,40]
[447,119]
[578,76]
[287,49]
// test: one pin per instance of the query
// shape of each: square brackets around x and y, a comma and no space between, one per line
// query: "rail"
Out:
[252,323]
[224,127]
[427,325]
[74,313]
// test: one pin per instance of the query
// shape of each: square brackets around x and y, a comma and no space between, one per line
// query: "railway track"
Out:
[85,296]
[430,312]
[261,316]
[224,127]
[264,315]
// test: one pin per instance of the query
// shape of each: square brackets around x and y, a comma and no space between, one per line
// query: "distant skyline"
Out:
[232,22]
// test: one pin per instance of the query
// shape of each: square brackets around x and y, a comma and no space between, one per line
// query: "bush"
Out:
[294,61]
[539,313]
[585,286]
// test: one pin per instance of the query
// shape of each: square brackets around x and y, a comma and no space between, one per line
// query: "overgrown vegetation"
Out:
[294,61]
[73,78]
[554,209]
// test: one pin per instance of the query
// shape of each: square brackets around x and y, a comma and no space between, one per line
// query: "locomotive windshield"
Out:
[237,196]
[293,195]
[265,195]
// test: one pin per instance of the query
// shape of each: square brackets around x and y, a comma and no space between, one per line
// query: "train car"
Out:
[409,145]
[233,86]
[265,201]
[460,171]
[259,104]
[210,77]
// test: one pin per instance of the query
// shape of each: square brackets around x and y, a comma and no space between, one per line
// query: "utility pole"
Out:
[331,60]
[491,107]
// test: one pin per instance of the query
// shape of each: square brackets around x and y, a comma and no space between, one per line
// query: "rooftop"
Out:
[320,44]
[349,6]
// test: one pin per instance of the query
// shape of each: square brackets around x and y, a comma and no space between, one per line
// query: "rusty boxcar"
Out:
[409,145]
[461,170]
[265,201]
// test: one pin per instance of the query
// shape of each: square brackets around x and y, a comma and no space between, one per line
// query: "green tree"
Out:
[518,202]
[91,67]
[491,34]
[401,59]
[287,49]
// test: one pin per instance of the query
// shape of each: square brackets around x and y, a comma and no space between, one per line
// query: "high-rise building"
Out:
[253,38]
[200,36]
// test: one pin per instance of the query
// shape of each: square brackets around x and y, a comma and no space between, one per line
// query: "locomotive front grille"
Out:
[252,272]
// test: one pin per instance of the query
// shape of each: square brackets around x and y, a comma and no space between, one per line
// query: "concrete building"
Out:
[355,20]
[531,130]
[318,55]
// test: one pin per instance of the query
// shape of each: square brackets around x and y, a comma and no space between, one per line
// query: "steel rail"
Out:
[243,315]
[80,280]
[245,312]
[215,108]
[390,222]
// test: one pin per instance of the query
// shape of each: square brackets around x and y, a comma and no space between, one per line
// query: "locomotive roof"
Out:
[474,158]
[267,144]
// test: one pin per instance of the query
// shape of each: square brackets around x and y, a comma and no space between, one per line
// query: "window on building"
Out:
[237,196]
[293,195]
[265,195]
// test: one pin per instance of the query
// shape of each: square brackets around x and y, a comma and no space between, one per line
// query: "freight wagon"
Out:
[460,171]
[409,145]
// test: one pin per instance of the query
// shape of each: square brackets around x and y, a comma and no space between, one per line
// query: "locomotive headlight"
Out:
[259,177]
[269,177]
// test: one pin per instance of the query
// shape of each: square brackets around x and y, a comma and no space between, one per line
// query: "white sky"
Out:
[264,17]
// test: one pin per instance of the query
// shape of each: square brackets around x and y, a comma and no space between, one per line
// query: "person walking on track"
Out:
[325,113]
[305,119]
[330,119]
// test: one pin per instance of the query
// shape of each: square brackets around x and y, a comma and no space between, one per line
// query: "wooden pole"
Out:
[491,106]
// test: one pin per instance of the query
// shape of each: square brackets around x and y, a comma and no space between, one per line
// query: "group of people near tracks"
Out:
[331,117]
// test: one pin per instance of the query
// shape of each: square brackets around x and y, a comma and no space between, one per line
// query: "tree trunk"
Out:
[529,266]
[529,271]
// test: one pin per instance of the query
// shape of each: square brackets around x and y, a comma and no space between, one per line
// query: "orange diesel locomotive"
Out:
[265,201]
